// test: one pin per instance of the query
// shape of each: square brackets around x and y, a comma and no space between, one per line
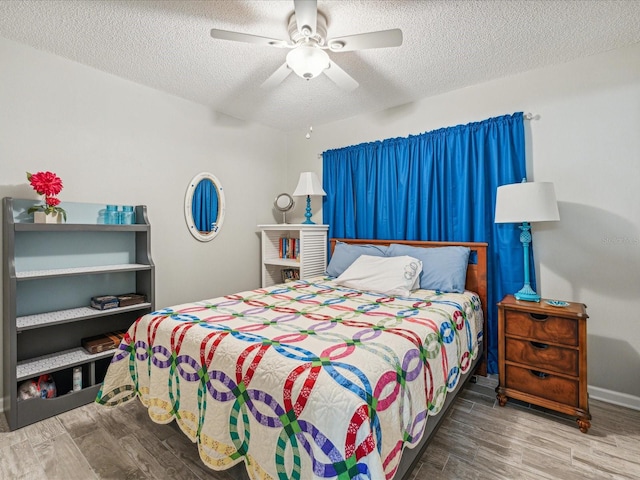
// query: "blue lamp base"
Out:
[307,213]
[526,293]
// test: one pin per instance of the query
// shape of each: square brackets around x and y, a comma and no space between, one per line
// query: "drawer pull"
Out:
[539,346]
[539,317]
[539,374]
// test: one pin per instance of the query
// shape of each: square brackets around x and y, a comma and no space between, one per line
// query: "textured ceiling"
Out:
[447,45]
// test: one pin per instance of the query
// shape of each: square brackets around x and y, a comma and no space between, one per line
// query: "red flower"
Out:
[52,201]
[45,183]
[49,185]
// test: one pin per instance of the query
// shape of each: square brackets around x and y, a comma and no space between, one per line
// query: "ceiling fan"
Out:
[308,43]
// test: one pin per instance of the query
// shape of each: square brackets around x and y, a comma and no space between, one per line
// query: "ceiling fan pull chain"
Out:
[309,111]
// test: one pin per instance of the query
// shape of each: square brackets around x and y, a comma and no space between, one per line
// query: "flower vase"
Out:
[41,217]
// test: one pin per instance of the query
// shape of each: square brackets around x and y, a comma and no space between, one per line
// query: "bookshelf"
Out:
[311,245]
[50,273]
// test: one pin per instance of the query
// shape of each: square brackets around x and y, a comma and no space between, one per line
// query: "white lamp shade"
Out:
[526,202]
[307,61]
[309,184]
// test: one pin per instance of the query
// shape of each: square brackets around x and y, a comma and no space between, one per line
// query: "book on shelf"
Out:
[289,247]
[290,274]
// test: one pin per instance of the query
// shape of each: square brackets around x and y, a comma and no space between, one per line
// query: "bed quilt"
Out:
[302,380]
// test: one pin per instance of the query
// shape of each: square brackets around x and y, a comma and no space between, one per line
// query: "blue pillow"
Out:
[443,268]
[345,254]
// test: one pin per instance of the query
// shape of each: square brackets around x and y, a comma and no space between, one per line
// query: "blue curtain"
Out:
[438,186]
[204,206]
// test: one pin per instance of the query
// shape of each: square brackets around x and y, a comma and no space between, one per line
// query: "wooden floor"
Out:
[478,440]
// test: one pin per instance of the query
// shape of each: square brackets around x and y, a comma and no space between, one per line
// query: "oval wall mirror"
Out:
[283,203]
[204,206]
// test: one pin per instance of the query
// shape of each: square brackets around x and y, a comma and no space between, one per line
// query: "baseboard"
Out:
[616,398]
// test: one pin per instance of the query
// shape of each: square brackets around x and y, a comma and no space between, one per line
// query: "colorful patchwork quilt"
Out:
[301,380]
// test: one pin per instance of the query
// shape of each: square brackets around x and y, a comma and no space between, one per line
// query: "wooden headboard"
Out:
[476,273]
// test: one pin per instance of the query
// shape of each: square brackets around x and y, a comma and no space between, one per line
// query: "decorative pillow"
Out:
[344,255]
[396,276]
[443,268]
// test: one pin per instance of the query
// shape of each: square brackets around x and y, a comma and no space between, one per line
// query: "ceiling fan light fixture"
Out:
[307,61]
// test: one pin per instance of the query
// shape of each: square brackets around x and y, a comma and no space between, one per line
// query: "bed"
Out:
[312,378]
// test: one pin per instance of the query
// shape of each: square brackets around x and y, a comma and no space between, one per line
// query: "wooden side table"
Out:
[542,356]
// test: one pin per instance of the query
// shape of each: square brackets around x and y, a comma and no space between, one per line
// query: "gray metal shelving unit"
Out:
[50,273]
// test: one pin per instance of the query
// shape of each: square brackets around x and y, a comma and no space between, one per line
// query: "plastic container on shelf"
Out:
[111,215]
[127,216]
[77,379]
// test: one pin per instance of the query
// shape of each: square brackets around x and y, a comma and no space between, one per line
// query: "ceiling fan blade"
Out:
[247,38]
[363,41]
[306,16]
[277,77]
[340,77]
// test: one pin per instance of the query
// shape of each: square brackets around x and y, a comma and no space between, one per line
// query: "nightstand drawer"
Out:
[543,328]
[542,355]
[543,385]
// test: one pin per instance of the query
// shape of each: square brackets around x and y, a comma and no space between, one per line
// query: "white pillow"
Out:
[396,276]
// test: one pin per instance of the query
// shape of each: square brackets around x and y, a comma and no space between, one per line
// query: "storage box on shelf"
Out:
[50,274]
[311,245]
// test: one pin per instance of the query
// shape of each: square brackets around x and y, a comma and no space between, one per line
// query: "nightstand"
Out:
[542,356]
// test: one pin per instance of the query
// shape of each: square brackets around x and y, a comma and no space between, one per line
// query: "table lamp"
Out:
[308,185]
[525,203]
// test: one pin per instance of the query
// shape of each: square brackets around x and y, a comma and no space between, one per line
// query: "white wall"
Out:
[586,141]
[114,141]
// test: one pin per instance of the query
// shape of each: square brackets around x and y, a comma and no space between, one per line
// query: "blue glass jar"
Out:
[127,216]
[111,215]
